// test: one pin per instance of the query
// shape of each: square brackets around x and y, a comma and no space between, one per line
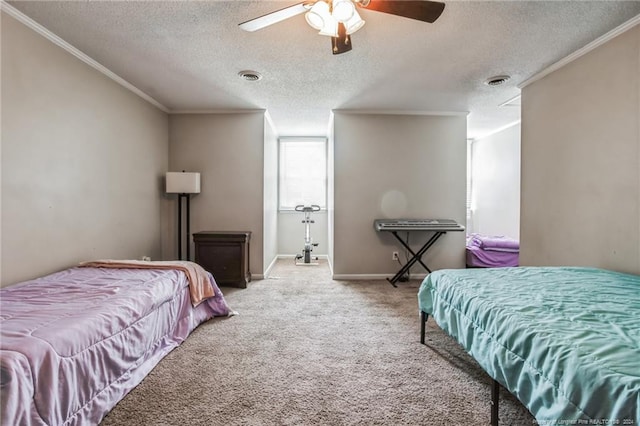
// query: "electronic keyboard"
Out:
[417,225]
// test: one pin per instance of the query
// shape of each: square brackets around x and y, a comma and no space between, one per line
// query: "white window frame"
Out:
[284,140]
[470,192]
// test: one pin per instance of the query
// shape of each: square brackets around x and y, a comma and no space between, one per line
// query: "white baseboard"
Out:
[356,277]
[291,256]
[270,267]
[341,277]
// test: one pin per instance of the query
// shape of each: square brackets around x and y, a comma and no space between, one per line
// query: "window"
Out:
[302,173]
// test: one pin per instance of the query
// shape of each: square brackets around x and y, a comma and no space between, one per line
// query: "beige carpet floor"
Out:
[307,350]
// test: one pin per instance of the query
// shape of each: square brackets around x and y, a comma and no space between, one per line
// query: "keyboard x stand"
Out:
[437,226]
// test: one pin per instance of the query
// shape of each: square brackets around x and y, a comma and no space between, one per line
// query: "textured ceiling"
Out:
[187,54]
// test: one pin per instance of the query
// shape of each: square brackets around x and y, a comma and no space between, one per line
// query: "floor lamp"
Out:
[184,184]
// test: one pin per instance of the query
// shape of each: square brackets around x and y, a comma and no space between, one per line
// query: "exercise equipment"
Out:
[308,241]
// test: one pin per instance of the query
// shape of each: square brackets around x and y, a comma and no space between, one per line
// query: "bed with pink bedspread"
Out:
[75,342]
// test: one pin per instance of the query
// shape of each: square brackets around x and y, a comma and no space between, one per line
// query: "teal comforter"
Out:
[564,341]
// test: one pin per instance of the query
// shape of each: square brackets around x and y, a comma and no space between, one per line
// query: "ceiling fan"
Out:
[339,19]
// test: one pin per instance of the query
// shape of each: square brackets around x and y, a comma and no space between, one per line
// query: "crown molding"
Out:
[493,132]
[400,112]
[302,138]
[24,19]
[583,51]
[218,111]
[267,116]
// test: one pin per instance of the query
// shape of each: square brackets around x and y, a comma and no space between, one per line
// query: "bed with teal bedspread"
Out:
[564,341]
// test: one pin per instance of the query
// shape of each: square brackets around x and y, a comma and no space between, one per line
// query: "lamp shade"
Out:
[318,14]
[343,10]
[330,27]
[354,23]
[182,183]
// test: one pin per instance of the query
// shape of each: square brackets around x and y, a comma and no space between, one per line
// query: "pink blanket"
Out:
[73,343]
[200,287]
[494,243]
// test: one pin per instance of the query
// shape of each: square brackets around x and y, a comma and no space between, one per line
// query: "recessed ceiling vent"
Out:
[250,75]
[497,80]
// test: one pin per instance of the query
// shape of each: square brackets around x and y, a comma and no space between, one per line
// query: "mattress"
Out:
[477,257]
[76,342]
[564,341]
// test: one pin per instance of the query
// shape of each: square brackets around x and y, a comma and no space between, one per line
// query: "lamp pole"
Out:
[184,184]
[187,220]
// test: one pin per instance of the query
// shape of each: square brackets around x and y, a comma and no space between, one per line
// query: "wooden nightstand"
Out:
[225,254]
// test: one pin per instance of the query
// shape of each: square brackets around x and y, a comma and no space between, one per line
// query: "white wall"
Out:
[270,193]
[581,161]
[396,166]
[495,165]
[330,190]
[291,232]
[228,151]
[82,161]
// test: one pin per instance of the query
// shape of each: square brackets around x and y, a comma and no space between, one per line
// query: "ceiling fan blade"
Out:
[422,10]
[342,43]
[274,17]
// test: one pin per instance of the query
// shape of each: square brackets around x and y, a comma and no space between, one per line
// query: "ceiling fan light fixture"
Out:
[343,10]
[354,23]
[318,15]
[339,19]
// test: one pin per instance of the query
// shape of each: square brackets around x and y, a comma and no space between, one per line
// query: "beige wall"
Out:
[495,167]
[395,166]
[581,161]
[82,161]
[228,151]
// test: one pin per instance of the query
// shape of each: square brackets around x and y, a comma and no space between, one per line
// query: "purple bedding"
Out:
[492,252]
[494,243]
[479,258]
[74,343]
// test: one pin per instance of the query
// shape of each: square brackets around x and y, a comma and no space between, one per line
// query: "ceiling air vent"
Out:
[497,80]
[250,75]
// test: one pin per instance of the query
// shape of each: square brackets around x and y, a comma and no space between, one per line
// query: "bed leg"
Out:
[423,322]
[495,397]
